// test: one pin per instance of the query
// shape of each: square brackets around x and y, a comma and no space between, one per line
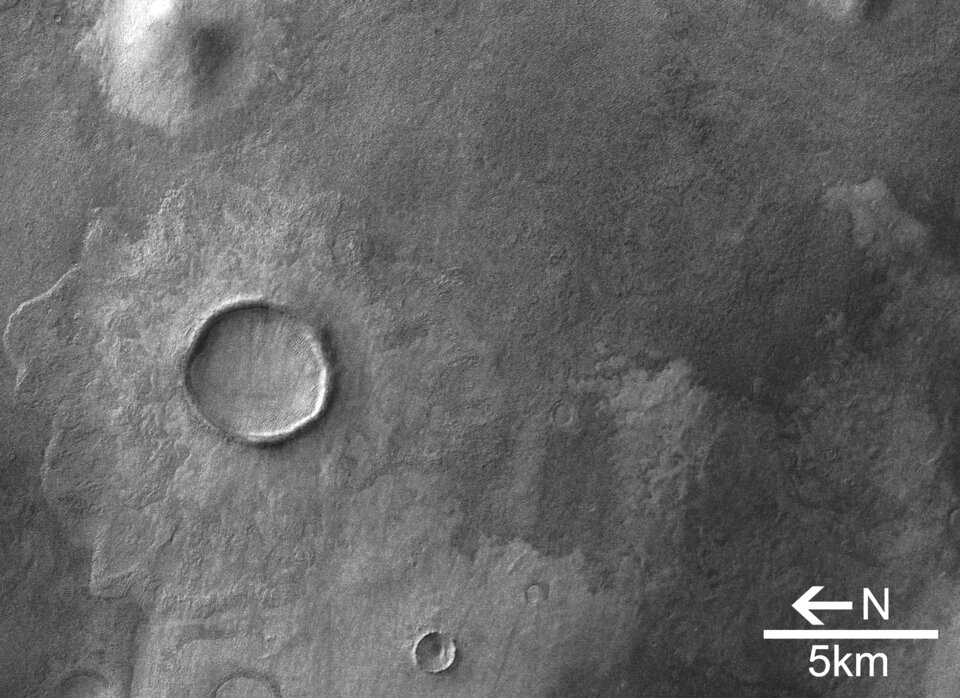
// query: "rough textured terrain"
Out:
[642,318]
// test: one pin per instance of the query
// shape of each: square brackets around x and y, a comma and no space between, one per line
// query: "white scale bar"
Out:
[851,634]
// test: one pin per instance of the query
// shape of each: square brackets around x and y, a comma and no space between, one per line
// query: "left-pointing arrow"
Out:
[805,604]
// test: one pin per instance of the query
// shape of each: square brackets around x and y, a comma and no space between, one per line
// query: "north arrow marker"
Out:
[805,604]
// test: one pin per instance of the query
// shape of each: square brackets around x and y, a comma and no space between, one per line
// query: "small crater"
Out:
[434,652]
[87,684]
[563,413]
[257,372]
[535,593]
[953,524]
[247,687]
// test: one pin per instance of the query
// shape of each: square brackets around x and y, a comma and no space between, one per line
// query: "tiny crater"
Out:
[563,413]
[434,652]
[87,684]
[257,372]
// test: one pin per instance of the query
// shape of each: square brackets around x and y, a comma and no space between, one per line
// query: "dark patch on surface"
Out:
[477,474]
[876,10]
[938,347]
[747,317]
[943,390]
[577,486]
[211,49]
[871,292]
[654,671]
[943,380]
[937,210]
[575,494]
[729,501]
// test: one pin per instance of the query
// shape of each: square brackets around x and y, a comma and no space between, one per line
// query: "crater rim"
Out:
[211,317]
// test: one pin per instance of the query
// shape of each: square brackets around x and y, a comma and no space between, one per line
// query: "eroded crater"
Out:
[172,63]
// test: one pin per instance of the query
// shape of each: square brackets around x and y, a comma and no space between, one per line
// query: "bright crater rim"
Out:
[257,372]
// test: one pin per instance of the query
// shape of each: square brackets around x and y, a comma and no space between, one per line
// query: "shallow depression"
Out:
[258,373]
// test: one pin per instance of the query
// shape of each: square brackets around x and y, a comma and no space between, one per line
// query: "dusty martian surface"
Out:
[433,348]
